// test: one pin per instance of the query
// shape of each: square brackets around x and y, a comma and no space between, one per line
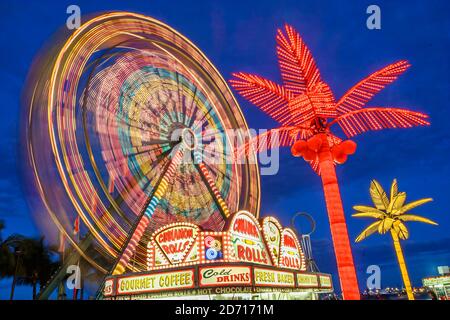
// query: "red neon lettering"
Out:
[246,227]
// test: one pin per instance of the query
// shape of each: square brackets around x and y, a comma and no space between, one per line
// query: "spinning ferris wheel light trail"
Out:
[102,128]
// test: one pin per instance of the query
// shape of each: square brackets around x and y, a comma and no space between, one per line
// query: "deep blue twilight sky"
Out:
[240,36]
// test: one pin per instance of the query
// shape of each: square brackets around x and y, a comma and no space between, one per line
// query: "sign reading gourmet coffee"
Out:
[154,282]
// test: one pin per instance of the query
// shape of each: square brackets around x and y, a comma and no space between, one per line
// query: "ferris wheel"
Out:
[129,128]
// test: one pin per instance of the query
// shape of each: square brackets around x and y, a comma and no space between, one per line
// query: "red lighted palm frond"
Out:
[297,65]
[363,91]
[362,120]
[270,97]
[319,103]
[274,138]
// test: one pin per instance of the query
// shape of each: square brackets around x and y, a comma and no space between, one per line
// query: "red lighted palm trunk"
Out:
[341,242]
[306,109]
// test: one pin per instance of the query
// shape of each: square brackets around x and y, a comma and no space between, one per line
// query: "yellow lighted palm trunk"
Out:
[402,264]
[391,214]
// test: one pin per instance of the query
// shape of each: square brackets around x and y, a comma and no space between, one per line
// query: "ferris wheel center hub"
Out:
[188,138]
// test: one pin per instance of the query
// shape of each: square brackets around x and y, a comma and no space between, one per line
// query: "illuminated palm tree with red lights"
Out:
[306,110]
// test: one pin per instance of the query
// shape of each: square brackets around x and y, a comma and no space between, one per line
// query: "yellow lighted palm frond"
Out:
[413,205]
[389,212]
[401,230]
[368,231]
[413,217]
[379,196]
[369,214]
[396,204]
[394,189]
[385,225]
[368,209]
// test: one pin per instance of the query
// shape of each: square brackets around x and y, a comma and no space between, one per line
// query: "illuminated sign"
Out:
[213,247]
[325,281]
[272,235]
[227,278]
[246,239]
[176,280]
[175,241]
[273,278]
[291,254]
[307,280]
[435,281]
[108,288]
[225,275]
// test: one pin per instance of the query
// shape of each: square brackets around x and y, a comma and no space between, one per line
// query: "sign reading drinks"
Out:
[246,239]
[224,275]
[273,278]
[175,241]
[156,282]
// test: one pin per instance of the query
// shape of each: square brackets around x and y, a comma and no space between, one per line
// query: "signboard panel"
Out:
[291,253]
[325,281]
[246,239]
[108,289]
[175,280]
[224,275]
[272,236]
[273,278]
[306,280]
[432,281]
[176,240]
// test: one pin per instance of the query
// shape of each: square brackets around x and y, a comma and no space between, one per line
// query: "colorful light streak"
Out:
[106,105]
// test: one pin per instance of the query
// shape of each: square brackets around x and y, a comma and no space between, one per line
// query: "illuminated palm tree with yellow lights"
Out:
[391,214]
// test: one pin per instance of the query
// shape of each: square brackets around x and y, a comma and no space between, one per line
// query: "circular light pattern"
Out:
[106,115]
[211,254]
[216,245]
[208,241]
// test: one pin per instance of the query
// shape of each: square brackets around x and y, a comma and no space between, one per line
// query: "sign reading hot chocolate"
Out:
[246,239]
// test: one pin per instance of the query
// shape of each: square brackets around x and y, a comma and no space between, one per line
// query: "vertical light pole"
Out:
[306,239]
[17,254]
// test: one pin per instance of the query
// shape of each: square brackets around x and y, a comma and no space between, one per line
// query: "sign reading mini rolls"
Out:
[245,239]
[291,253]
